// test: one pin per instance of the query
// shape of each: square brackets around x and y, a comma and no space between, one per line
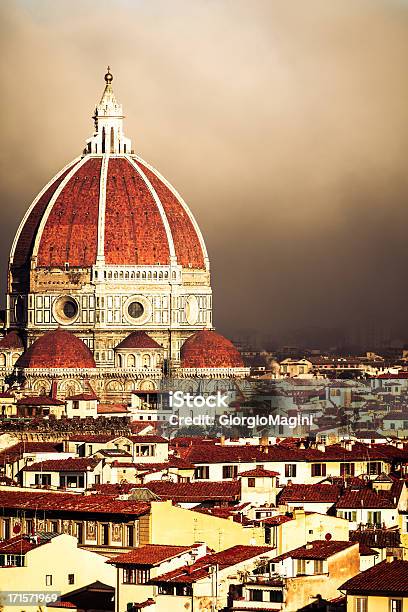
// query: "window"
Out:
[318,566]
[318,469]
[374,468]
[135,310]
[72,481]
[276,596]
[395,605]
[79,532]
[134,575]
[301,566]
[130,535]
[71,578]
[202,472]
[361,604]
[104,534]
[145,450]
[251,483]
[6,528]
[256,595]
[290,470]
[229,471]
[346,469]
[43,480]
[374,518]
[350,515]
[12,561]
[48,580]
[54,526]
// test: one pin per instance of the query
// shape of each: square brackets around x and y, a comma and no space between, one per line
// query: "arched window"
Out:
[146,361]
[112,140]
[131,361]
[103,140]
[2,360]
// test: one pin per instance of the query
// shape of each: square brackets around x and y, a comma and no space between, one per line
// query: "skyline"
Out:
[259,122]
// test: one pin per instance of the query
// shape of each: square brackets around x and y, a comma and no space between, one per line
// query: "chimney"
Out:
[222,440]
[390,557]
[54,388]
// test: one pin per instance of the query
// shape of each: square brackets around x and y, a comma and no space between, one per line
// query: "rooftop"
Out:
[318,549]
[384,578]
[226,558]
[151,554]
[39,501]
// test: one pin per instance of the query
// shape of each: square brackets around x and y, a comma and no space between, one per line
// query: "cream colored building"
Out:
[49,563]
[382,588]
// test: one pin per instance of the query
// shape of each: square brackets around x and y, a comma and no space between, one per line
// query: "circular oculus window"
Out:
[66,309]
[135,309]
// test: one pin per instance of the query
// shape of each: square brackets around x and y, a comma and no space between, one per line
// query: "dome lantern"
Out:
[108,118]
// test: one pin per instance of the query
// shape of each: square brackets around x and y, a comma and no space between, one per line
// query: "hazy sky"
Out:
[284,124]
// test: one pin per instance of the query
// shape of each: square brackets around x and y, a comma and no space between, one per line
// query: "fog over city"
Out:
[283,124]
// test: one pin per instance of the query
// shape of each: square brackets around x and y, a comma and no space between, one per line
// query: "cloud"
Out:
[283,124]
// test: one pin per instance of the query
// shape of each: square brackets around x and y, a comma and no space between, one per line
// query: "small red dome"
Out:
[138,340]
[11,341]
[207,349]
[57,349]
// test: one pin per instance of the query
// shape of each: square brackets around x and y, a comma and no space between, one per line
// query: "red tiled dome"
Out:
[11,341]
[207,349]
[57,349]
[138,339]
[142,220]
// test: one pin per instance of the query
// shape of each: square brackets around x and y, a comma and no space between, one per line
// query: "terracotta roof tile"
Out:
[72,464]
[369,498]
[70,232]
[138,339]
[195,491]
[21,544]
[57,349]
[186,241]
[207,349]
[318,549]
[44,400]
[112,408]
[25,241]
[259,473]
[151,554]
[384,578]
[200,569]
[11,340]
[70,502]
[83,396]
[377,538]
[277,520]
[323,493]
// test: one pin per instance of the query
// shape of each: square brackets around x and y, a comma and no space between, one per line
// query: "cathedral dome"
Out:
[116,209]
[57,349]
[207,349]
[108,207]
